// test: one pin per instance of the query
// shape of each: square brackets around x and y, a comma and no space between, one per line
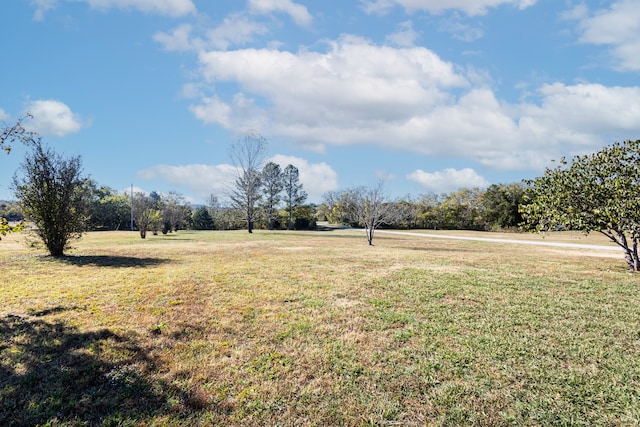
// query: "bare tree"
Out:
[366,207]
[16,132]
[248,153]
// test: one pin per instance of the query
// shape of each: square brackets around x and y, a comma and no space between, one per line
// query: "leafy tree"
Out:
[224,217]
[146,214]
[502,203]
[175,213]
[202,220]
[109,210]
[463,210]
[272,185]
[596,192]
[334,208]
[53,195]
[305,218]
[295,196]
[248,154]
[428,212]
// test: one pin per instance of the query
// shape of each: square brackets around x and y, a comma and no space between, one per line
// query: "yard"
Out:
[317,328]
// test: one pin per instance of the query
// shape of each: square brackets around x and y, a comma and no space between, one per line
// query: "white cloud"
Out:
[236,29]
[202,180]
[51,117]
[173,8]
[349,87]
[448,180]
[179,39]
[316,178]
[350,95]
[405,36]
[617,27]
[469,7]
[297,12]
[3,115]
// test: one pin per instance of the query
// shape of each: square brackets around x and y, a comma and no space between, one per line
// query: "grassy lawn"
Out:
[316,328]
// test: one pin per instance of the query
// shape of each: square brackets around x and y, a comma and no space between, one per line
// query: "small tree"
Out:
[53,195]
[248,154]
[362,206]
[295,196]
[596,192]
[174,212]
[272,184]
[146,214]
[202,220]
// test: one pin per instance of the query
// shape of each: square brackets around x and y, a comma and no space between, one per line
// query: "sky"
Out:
[428,95]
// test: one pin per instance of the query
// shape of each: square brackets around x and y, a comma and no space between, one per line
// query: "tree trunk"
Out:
[250,226]
[632,257]
[630,253]
[370,236]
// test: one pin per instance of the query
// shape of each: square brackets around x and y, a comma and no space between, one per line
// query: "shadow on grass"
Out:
[53,374]
[110,261]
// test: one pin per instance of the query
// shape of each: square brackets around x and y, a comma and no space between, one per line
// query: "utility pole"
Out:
[131,207]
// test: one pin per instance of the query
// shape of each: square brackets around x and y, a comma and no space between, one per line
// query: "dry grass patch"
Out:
[315,328]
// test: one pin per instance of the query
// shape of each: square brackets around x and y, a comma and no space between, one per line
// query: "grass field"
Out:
[317,328]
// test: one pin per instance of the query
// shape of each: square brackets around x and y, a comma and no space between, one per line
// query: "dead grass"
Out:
[316,328]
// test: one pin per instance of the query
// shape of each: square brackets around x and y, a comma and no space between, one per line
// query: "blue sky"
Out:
[430,95]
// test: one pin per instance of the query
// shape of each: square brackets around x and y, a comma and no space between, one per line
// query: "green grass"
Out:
[317,328]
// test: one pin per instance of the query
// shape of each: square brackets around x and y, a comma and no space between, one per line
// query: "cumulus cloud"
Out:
[469,7]
[448,180]
[202,180]
[316,178]
[51,117]
[617,27]
[349,94]
[320,96]
[297,12]
[173,8]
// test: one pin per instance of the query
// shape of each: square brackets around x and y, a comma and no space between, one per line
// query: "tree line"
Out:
[491,209]
[61,203]
[591,193]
